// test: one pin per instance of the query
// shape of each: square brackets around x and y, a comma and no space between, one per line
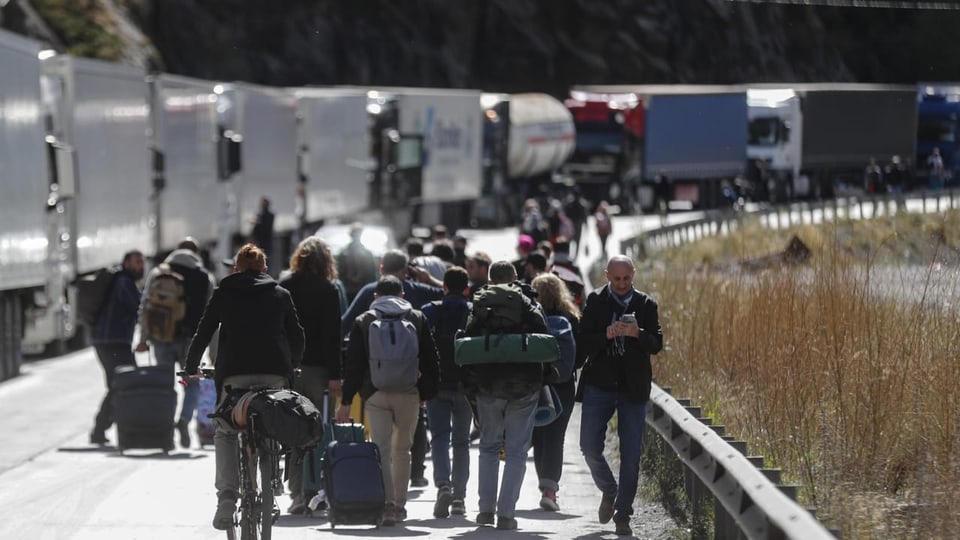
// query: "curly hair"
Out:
[313,255]
[552,293]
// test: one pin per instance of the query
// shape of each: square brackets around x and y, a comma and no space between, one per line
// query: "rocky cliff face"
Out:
[546,45]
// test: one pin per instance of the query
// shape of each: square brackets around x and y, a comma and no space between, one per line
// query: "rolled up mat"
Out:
[548,408]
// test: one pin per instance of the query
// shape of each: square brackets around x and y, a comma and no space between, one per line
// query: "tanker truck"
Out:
[526,138]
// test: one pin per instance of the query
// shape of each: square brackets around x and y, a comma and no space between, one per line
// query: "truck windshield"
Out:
[599,139]
[936,129]
[764,131]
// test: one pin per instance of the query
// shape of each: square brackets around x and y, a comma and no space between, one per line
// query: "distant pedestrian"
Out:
[449,413]
[532,221]
[478,266]
[317,299]
[604,225]
[873,178]
[112,335]
[619,331]
[575,206]
[896,175]
[525,246]
[198,284]
[262,234]
[563,321]
[567,270]
[935,166]
[392,364]
[356,265]
[459,251]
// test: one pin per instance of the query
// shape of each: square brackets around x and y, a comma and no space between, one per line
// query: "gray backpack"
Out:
[394,351]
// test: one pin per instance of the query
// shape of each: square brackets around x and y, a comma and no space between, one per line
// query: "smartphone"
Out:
[629,318]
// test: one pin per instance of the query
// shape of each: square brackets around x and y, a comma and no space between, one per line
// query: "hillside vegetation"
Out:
[843,372]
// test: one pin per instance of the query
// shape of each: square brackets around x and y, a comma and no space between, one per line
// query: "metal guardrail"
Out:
[725,221]
[746,502]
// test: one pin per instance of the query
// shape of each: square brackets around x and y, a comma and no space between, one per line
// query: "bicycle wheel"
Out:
[266,494]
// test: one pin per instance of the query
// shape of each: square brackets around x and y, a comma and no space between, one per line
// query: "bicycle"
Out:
[258,510]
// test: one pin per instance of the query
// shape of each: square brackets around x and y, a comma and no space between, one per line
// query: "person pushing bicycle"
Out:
[261,343]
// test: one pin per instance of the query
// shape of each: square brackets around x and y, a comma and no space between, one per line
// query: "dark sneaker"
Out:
[605,513]
[457,508]
[444,497]
[623,528]
[419,482]
[506,524]
[223,519]
[184,431]
[97,437]
[549,500]
[389,515]
[485,518]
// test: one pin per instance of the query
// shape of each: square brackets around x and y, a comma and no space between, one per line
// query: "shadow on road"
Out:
[544,516]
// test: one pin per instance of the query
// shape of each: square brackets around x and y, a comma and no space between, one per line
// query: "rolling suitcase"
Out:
[353,482]
[144,405]
[313,462]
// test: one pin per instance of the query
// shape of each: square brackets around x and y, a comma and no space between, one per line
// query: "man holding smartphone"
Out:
[619,331]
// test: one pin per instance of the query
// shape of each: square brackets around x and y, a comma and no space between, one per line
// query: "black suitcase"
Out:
[313,461]
[353,483]
[144,405]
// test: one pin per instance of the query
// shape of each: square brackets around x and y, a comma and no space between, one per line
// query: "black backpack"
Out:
[287,417]
[93,290]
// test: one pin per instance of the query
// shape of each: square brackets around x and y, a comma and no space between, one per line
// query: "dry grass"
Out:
[844,373]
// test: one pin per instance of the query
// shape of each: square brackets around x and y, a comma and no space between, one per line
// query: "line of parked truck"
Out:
[99,158]
[785,141]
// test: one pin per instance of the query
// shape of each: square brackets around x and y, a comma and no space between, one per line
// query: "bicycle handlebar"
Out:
[205,373]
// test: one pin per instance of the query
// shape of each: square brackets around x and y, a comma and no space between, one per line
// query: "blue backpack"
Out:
[561,329]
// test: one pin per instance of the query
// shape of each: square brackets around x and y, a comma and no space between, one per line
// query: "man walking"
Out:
[392,363]
[449,413]
[507,394]
[198,285]
[113,335]
[619,331]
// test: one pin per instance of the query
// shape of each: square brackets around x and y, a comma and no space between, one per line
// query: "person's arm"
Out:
[651,335]
[429,363]
[360,303]
[354,365]
[330,334]
[293,331]
[142,345]
[209,323]
[592,338]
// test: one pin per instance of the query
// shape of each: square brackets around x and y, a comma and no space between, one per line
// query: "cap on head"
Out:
[525,242]
[190,243]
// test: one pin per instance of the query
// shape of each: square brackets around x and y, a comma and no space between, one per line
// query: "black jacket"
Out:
[318,308]
[632,372]
[259,330]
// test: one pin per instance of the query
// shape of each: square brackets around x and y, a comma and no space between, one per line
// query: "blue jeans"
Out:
[173,353]
[548,440]
[596,410]
[508,422]
[450,417]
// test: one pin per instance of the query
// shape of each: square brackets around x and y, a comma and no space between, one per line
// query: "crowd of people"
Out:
[411,387]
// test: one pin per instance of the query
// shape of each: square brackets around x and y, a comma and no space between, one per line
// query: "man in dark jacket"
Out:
[619,331]
[317,300]
[113,335]
[260,344]
[449,412]
[391,411]
[507,394]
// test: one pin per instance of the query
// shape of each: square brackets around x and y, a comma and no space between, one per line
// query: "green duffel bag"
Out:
[506,348]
